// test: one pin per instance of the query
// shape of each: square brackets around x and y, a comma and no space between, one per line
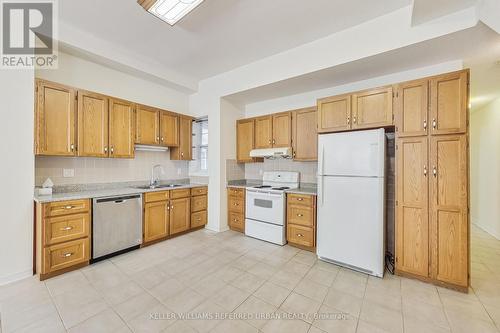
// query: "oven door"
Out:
[265,206]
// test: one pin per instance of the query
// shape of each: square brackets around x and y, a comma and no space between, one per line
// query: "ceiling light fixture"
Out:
[170,11]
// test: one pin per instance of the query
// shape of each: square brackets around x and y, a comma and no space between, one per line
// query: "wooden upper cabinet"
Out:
[184,150]
[372,108]
[449,209]
[334,114]
[147,125]
[412,219]
[156,220]
[244,140]
[92,124]
[55,119]
[449,103]
[264,132]
[282,129]
[411,108]
[180,215]
[305,136]
[169,129]
[121,129]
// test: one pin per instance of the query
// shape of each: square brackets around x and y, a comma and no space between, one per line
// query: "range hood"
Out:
[272,152]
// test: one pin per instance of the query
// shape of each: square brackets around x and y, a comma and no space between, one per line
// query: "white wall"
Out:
[16,174]
[485,168]
[88,75]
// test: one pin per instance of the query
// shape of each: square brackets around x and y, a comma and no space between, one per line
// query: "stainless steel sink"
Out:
[152,187]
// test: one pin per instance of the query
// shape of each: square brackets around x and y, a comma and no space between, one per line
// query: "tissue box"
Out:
[45,191]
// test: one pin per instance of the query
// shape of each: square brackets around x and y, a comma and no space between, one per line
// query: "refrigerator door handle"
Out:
[320,190]
[321,160]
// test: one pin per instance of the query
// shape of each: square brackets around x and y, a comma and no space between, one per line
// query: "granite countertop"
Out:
[112,191]
[304,188]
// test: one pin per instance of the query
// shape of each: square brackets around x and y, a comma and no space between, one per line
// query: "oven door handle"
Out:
[256,193]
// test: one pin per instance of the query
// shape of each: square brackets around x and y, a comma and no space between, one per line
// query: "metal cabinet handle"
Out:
[69,207]
[300,215]
[182,153]
[434,171]
[425,170]
[157,138]
[72,147]
[300,199]
[67,255]
[354,120]
[300,235]
[172,207]
[161,139]
[66,228]
[348,120]
[274,141]
[106,149]
[425,124]
[434,123]
[112,150]
[269,141]
[198,219]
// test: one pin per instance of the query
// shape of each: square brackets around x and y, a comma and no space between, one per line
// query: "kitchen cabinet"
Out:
[156,220]
[184,150]
[301,221]
[55,124]
[304,135]
[411,108]
[199,205]
[180,215]
[147,125]
[282,129]
[412,223]
[236,208]
[264,132]
[92,124]
[169,129]
[63,235]
[245,140]
[334,114]
[121,129]
[449,103]
[372,108]
[449,236]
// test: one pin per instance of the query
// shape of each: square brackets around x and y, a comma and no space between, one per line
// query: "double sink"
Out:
[153,187]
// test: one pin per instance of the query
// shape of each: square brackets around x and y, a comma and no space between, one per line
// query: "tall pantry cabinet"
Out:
[432,184]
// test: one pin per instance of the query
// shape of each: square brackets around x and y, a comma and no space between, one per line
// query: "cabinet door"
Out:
[282,129]
[184,151]
[156,220]
[244,140]
[305,135]
[412,218]
[263,132]
[92,124]
[147,125]
[169,129]
[121,129]
[411,106]
[372,108]
[449,103]
[449,209]
[55,119]
[180,215]
[334,114]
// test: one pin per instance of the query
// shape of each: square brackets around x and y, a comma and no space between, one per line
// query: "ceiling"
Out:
[478,47]
[219,35]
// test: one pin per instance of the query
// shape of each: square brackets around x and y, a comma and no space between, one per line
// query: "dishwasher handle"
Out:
[118,199]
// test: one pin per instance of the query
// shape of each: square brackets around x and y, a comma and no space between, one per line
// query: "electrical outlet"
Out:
[68,173]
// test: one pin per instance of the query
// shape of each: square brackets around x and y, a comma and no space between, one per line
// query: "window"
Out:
[199,165]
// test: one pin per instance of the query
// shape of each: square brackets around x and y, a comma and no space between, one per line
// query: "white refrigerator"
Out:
[351,200]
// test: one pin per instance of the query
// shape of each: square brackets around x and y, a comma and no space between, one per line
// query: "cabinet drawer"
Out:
[199,190]
[236,221]
[300,215]
[65,228]
[57,257]
[236,205]
[198,219]
[156,196]
[67,207]
[236,192]
[181,193]
[198,203]
[300,235]
[300,199]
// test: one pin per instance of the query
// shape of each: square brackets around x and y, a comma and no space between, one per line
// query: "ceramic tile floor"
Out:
[227,273]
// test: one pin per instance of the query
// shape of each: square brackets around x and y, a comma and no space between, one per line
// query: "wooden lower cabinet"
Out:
[199,206]
[156,220]
[236,209]
[180,215]
[301,221]
[63,235]
[198,219]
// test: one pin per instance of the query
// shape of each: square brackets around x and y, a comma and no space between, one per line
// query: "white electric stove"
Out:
[266,206]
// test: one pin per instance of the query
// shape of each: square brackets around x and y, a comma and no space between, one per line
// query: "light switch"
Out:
[68,173]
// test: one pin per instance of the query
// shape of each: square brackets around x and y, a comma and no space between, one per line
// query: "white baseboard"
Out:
[16,277]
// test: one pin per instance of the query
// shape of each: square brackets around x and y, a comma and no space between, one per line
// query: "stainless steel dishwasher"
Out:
[116,225]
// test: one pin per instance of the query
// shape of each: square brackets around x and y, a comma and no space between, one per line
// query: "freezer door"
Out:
[359,153]
[351,222]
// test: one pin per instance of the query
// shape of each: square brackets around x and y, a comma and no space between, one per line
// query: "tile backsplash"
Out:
[308,170]
[89,170]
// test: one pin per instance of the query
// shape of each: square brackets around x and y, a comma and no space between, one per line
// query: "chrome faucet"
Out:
[155,180]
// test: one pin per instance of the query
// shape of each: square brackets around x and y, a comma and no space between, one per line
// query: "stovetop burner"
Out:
[282,188]
[262,186]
